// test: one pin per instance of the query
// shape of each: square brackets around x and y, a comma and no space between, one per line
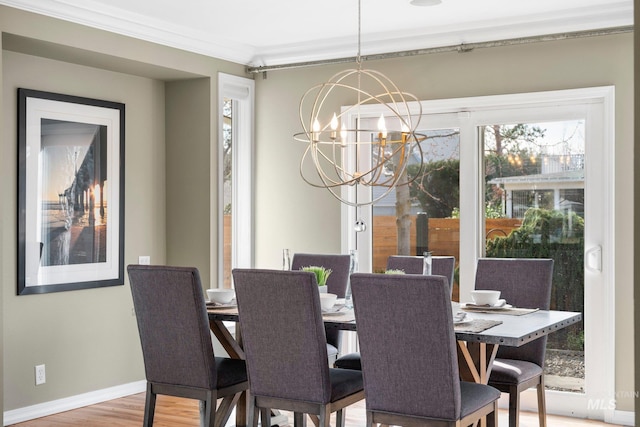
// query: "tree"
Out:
[437,188]
[509,151]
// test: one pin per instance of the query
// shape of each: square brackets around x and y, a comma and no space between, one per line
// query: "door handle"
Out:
[593,259]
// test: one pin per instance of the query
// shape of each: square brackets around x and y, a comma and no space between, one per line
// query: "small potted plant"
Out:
[322,274]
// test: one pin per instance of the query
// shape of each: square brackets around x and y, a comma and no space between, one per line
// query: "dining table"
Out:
[479,332]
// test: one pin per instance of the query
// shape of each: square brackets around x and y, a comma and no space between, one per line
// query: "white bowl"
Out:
[485,297]
[221,296]
[327,300]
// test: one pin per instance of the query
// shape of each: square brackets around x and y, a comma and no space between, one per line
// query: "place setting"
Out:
[461,318]
[463,322]
[219,298]
[489,301]
[332,306]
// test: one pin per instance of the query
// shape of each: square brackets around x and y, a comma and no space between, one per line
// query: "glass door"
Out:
[534,175]
[535,180]
[423,216]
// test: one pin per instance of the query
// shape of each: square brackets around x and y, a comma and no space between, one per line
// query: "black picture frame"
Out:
[70,192]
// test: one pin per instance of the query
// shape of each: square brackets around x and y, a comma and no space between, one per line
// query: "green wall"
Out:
[88,339]
[189,138]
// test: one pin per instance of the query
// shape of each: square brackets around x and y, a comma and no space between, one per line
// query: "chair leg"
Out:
[252,421]
[208,416]
[149,407]
[265,417]
[492,418]
[340,417]
[325,417]
[514,407]
[299,419]
[542,406]
[369,421]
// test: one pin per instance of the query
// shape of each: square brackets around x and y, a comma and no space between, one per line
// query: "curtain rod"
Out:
[461,48]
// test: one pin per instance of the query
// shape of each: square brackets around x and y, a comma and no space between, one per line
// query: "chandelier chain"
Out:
[358,56]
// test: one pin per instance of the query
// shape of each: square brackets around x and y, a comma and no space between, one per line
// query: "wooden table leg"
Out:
[475,361]
[231,344]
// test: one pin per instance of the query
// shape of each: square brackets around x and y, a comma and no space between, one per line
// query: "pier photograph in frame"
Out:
[70,192]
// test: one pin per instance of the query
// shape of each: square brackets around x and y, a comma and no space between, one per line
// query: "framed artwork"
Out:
[70,192]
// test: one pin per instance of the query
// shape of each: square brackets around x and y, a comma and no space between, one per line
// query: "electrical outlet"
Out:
[144,260]
[41,376]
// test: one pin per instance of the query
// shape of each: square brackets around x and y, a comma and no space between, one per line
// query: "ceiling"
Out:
[267,33]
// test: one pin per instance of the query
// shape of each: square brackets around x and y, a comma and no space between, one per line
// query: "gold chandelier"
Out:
[329,135]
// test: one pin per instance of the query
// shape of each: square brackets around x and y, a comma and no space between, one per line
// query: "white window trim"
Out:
[242,91]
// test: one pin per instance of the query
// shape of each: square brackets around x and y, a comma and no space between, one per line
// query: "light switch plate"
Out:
[144,260]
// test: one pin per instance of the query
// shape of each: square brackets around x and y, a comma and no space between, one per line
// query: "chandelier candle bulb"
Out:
[315,135]
[343,135]
[382,127]
[334,126]
[405,133]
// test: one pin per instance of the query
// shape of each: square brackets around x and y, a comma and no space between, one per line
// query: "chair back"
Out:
[408,316]
[441,266]
[337,281]
[524,283]
[283,334]
[173,325]
[338,263]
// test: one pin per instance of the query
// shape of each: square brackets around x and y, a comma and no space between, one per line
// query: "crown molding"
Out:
[434,37]
[100,16]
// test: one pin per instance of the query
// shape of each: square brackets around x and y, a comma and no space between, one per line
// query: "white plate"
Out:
[461,317]
[500,306]
[335,310]
[211,304]
[334,313]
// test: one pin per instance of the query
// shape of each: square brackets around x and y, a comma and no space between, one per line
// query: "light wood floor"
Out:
[175,412]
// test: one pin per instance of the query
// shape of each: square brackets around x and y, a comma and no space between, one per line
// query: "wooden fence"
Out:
[443,238]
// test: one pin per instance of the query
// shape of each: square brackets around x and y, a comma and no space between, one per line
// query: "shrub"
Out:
[552,234]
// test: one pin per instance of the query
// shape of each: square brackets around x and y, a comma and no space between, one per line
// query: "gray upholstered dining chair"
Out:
[336,284]
[285,348]
[176,343]
[525,283]
[441,266]
[424,389]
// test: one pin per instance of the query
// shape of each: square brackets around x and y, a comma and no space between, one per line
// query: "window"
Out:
[235,177]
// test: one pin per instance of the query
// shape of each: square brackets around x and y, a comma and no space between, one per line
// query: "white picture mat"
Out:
[38,109]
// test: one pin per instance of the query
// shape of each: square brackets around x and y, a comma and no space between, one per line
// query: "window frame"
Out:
[242,93]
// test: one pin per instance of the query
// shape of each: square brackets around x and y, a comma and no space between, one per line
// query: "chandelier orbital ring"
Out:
[336,140]
[392,145]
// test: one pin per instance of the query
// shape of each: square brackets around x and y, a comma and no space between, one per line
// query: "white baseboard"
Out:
[625,418]
[56,406]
